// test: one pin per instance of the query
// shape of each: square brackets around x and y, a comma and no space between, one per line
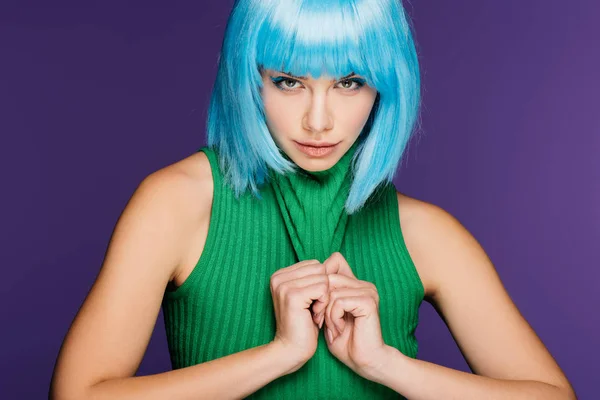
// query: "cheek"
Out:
[274,111]
[354,115]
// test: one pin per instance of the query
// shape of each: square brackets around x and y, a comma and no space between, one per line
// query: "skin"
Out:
[321,109]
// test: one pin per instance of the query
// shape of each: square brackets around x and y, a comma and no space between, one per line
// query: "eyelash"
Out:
[280,79]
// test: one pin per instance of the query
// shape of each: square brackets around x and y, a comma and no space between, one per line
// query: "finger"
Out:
[316,280]
[308,269]
[305,270]
[360,307]
[337,281]
[294,267]
[320,304]
[336,321]
[319,317]
[337,264]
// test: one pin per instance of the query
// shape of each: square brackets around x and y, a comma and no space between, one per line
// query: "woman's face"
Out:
[317,111]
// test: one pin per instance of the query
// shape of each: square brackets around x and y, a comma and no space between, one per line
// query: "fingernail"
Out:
[329,335]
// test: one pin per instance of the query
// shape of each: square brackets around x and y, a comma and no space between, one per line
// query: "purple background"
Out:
[94,98]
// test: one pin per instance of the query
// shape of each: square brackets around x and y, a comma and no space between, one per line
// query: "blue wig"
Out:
[369,37]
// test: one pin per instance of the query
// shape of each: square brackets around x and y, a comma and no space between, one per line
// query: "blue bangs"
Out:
[333,38]
[371,38]
[311,40]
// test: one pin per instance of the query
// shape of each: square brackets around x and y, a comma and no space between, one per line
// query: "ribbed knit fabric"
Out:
[312,206]
[225,305]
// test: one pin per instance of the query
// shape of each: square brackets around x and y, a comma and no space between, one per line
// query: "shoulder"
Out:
[184,191]
[189,174]
[428,215]
[431,234]
[183,183]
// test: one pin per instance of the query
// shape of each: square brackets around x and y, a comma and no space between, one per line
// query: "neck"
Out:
[312,206]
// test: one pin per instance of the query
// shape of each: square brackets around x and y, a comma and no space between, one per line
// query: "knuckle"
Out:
[282,290]
[317,268]
[373,289]
[274,281]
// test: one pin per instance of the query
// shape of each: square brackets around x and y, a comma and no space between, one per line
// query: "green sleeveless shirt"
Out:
[225,305]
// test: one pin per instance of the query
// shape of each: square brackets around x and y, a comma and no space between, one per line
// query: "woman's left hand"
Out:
[352,316]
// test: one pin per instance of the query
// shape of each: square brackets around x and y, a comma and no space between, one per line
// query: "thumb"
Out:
[337,264]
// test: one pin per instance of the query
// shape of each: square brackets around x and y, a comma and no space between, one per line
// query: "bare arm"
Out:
[109,336]
[232,377]
[423,380]
[508,359]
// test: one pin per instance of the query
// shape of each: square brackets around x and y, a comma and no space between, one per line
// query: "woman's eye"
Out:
[285,84]
[290,85]
[347,84]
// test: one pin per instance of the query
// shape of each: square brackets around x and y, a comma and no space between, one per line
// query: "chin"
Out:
[311,164]
[315,169]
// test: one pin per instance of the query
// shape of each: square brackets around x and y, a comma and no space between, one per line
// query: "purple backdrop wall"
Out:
[94,98]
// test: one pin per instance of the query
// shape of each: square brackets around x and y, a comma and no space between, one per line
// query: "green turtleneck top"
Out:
[225,305]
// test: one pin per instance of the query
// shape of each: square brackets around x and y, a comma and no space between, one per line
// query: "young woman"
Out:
[288,224]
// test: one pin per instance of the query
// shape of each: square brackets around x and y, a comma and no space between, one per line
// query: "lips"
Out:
[316,151]
[317,144]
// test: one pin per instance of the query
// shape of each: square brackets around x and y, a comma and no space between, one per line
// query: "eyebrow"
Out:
[304,77]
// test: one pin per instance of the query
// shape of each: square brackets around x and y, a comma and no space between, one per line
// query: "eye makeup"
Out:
[279,80]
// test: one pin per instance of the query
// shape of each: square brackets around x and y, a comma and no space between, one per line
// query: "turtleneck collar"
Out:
[312,206]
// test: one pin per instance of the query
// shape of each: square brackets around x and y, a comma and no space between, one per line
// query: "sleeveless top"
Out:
[225,304]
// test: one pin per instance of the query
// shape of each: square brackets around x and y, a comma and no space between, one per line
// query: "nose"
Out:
[318,118]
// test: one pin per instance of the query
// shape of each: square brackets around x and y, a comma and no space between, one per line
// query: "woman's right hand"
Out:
[294,289]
